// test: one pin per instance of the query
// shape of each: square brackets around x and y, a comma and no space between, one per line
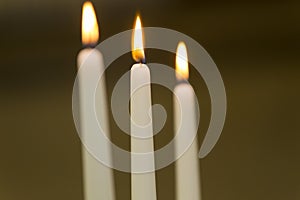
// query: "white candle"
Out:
[187,166]
[143,186]
[98,179]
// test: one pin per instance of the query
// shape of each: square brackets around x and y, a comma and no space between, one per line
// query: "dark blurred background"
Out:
[255,44]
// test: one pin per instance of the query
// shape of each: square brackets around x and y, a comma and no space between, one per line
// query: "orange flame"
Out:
[138,41]
[89,25]
[182,66]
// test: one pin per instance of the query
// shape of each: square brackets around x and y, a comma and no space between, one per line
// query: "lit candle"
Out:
[143,186]
[187,166]
[98,179]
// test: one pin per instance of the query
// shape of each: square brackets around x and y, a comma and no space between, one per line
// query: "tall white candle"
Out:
[143,186]
[187,166]
[98,179]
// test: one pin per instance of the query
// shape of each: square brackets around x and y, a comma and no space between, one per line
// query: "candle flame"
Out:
[89,25]
[182,66]
[138,41]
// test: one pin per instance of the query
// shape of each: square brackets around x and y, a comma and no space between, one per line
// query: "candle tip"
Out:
[138,41]
[182,67]
[89,25]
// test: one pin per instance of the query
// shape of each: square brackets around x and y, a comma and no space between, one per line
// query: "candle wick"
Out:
[142,61]
[89,45]
[182,81]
